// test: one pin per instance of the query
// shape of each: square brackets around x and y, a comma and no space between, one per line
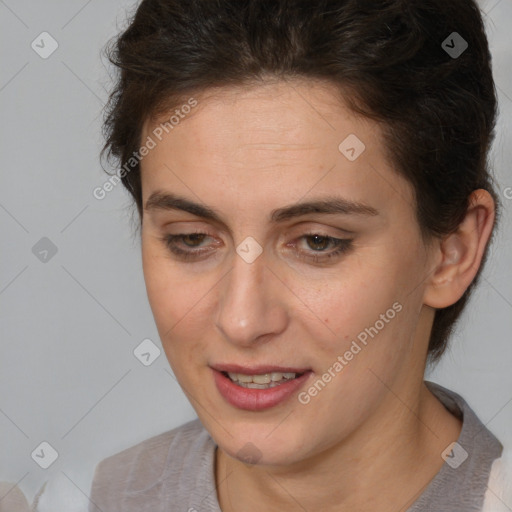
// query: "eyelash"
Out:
[342,246]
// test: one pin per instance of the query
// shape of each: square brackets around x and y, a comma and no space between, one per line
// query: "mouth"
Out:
[258,388]
[262,381]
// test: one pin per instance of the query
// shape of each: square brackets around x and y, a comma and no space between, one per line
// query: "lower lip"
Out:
[256,399]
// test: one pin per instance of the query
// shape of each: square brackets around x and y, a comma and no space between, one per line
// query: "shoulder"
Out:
[144,467]
[154,448]
[498,497]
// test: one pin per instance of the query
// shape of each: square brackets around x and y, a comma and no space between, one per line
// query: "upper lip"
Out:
[257,370]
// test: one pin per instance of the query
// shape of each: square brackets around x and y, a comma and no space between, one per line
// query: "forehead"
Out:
[281,140]
[279,116]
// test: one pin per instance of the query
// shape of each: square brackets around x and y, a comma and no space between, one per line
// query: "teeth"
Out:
[243,378]
[254,385]
[263,381]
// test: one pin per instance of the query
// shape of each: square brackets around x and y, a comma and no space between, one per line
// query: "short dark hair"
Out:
[391,60]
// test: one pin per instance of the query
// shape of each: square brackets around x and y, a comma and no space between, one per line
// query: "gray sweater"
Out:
[174,471]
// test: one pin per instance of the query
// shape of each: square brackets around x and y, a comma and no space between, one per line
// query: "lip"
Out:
[257,399]
[257,370]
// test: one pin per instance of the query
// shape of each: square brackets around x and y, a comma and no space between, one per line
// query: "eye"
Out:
[188,246]
[321,242]
[187,250]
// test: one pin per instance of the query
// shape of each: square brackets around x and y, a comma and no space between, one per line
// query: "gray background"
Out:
[68,375]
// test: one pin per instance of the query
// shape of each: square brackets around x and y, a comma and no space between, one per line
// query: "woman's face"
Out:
[259,292]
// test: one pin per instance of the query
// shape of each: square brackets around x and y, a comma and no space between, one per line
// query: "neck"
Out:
[375,466]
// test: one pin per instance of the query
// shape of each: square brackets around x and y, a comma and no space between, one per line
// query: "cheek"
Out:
[178,301]
[366,314]
[167,292]
[159,289]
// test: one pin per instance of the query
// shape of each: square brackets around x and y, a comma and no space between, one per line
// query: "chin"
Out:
[256,443]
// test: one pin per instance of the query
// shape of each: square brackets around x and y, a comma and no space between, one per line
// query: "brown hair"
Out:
[437,110]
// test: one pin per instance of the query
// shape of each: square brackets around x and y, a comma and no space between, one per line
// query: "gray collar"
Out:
[460,484]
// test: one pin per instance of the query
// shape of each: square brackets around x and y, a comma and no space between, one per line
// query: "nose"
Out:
[251,306]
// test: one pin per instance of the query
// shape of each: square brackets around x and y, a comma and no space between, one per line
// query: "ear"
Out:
[460,254]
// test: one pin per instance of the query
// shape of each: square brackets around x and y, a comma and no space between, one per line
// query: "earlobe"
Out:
[460,253]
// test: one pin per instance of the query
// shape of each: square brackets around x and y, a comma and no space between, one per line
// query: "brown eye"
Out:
[321,242]
[195,237]
[187,249]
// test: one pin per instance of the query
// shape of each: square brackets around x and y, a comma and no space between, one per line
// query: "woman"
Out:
[315,208]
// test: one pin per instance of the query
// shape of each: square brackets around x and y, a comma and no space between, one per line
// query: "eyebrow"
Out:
[331,205]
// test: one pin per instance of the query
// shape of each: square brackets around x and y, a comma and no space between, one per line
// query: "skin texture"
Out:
[245,152]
